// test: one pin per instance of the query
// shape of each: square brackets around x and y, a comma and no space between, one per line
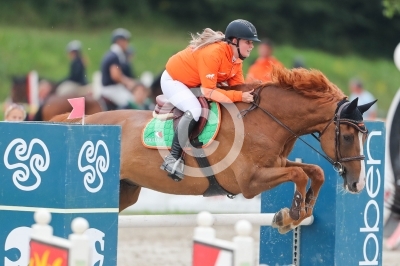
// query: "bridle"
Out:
[337,120]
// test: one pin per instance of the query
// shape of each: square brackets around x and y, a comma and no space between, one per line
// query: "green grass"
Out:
[43,50]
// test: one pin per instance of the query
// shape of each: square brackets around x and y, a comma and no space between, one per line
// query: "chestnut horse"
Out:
[57,104]
[249,154]
[54,104]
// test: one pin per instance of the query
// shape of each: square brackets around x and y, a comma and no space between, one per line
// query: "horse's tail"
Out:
[64,118]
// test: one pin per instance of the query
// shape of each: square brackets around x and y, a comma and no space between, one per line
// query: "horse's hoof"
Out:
[277,217]
[284,229]
[277,221]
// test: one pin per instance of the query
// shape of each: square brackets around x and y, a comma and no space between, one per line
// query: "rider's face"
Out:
[123,43]
[245,47]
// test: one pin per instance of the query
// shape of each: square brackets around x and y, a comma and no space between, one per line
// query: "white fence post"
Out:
[239,251]
[42,229]
[204,231]
[78,245]
[244,253]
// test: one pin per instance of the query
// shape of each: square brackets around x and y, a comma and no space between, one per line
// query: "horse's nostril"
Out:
[354,186]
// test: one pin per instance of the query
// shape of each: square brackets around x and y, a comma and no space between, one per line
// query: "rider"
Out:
[127,68]
[211,58]
[117,84]
[77,73]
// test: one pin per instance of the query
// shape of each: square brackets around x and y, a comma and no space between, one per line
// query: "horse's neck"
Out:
[300,114]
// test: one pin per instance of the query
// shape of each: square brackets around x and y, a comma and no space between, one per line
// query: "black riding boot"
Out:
[174,162]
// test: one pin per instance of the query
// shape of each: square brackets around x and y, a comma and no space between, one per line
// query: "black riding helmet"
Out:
[120,33]
[74,46]
[240,29]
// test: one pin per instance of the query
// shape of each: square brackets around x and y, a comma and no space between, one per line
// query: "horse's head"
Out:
[19,89]
[343,140]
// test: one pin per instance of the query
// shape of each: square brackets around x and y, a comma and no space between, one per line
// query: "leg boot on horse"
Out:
[174,162]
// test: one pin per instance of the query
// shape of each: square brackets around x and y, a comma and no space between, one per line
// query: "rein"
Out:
[337,164]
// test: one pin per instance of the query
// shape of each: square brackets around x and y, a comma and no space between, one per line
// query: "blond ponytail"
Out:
[208,36]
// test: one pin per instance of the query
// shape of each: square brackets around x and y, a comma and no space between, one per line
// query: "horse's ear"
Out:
[363,108]
[351,107]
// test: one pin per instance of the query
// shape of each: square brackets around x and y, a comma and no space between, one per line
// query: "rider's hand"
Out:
[130,84]
[247,97]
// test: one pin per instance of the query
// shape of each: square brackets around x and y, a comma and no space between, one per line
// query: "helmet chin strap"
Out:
[237,47]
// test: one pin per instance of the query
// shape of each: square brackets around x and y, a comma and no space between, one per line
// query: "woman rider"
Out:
[211,59]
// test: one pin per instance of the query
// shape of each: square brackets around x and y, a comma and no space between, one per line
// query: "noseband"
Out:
[337,120]
[358,125]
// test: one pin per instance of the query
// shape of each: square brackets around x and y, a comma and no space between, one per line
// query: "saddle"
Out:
[165,110]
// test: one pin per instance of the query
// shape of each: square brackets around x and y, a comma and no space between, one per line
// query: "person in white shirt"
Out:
[357,90]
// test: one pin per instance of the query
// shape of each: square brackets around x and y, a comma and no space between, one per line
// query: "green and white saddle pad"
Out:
[158,134]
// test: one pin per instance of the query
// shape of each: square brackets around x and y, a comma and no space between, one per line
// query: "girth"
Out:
[214,188]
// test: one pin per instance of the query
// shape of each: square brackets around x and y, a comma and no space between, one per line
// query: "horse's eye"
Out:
[348,138]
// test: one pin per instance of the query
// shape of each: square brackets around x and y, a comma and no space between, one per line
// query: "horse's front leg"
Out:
[267,178]
[316,174]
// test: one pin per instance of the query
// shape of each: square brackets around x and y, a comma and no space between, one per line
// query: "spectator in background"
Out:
[75,82]
[261,69]
[127,67]
[45,90]
[298,62]
[357,90]
[141,95]
[116,83]
[15,113]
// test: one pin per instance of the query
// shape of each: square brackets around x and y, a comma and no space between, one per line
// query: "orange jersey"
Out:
[261,69]
[206,67]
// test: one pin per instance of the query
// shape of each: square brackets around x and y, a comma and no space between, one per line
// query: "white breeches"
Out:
[180,95]
[118,94]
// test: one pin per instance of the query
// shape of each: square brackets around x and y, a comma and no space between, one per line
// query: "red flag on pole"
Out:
[78,107]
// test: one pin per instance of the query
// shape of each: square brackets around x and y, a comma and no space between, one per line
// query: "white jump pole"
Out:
[33,84]
[190,220]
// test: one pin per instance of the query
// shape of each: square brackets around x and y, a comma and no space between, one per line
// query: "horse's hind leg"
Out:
[316,174]
[128,194]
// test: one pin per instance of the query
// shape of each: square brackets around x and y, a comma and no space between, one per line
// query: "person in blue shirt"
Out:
[117,83]
[75,83]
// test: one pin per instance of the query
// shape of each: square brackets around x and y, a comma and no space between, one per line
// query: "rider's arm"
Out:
[222,96]
[208,66]
[118,77]
[238,78]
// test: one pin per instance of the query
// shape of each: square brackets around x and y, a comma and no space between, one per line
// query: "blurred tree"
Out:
[391,7]
[339,26]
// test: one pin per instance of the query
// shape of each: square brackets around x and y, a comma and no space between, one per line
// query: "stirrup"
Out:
[176,170]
